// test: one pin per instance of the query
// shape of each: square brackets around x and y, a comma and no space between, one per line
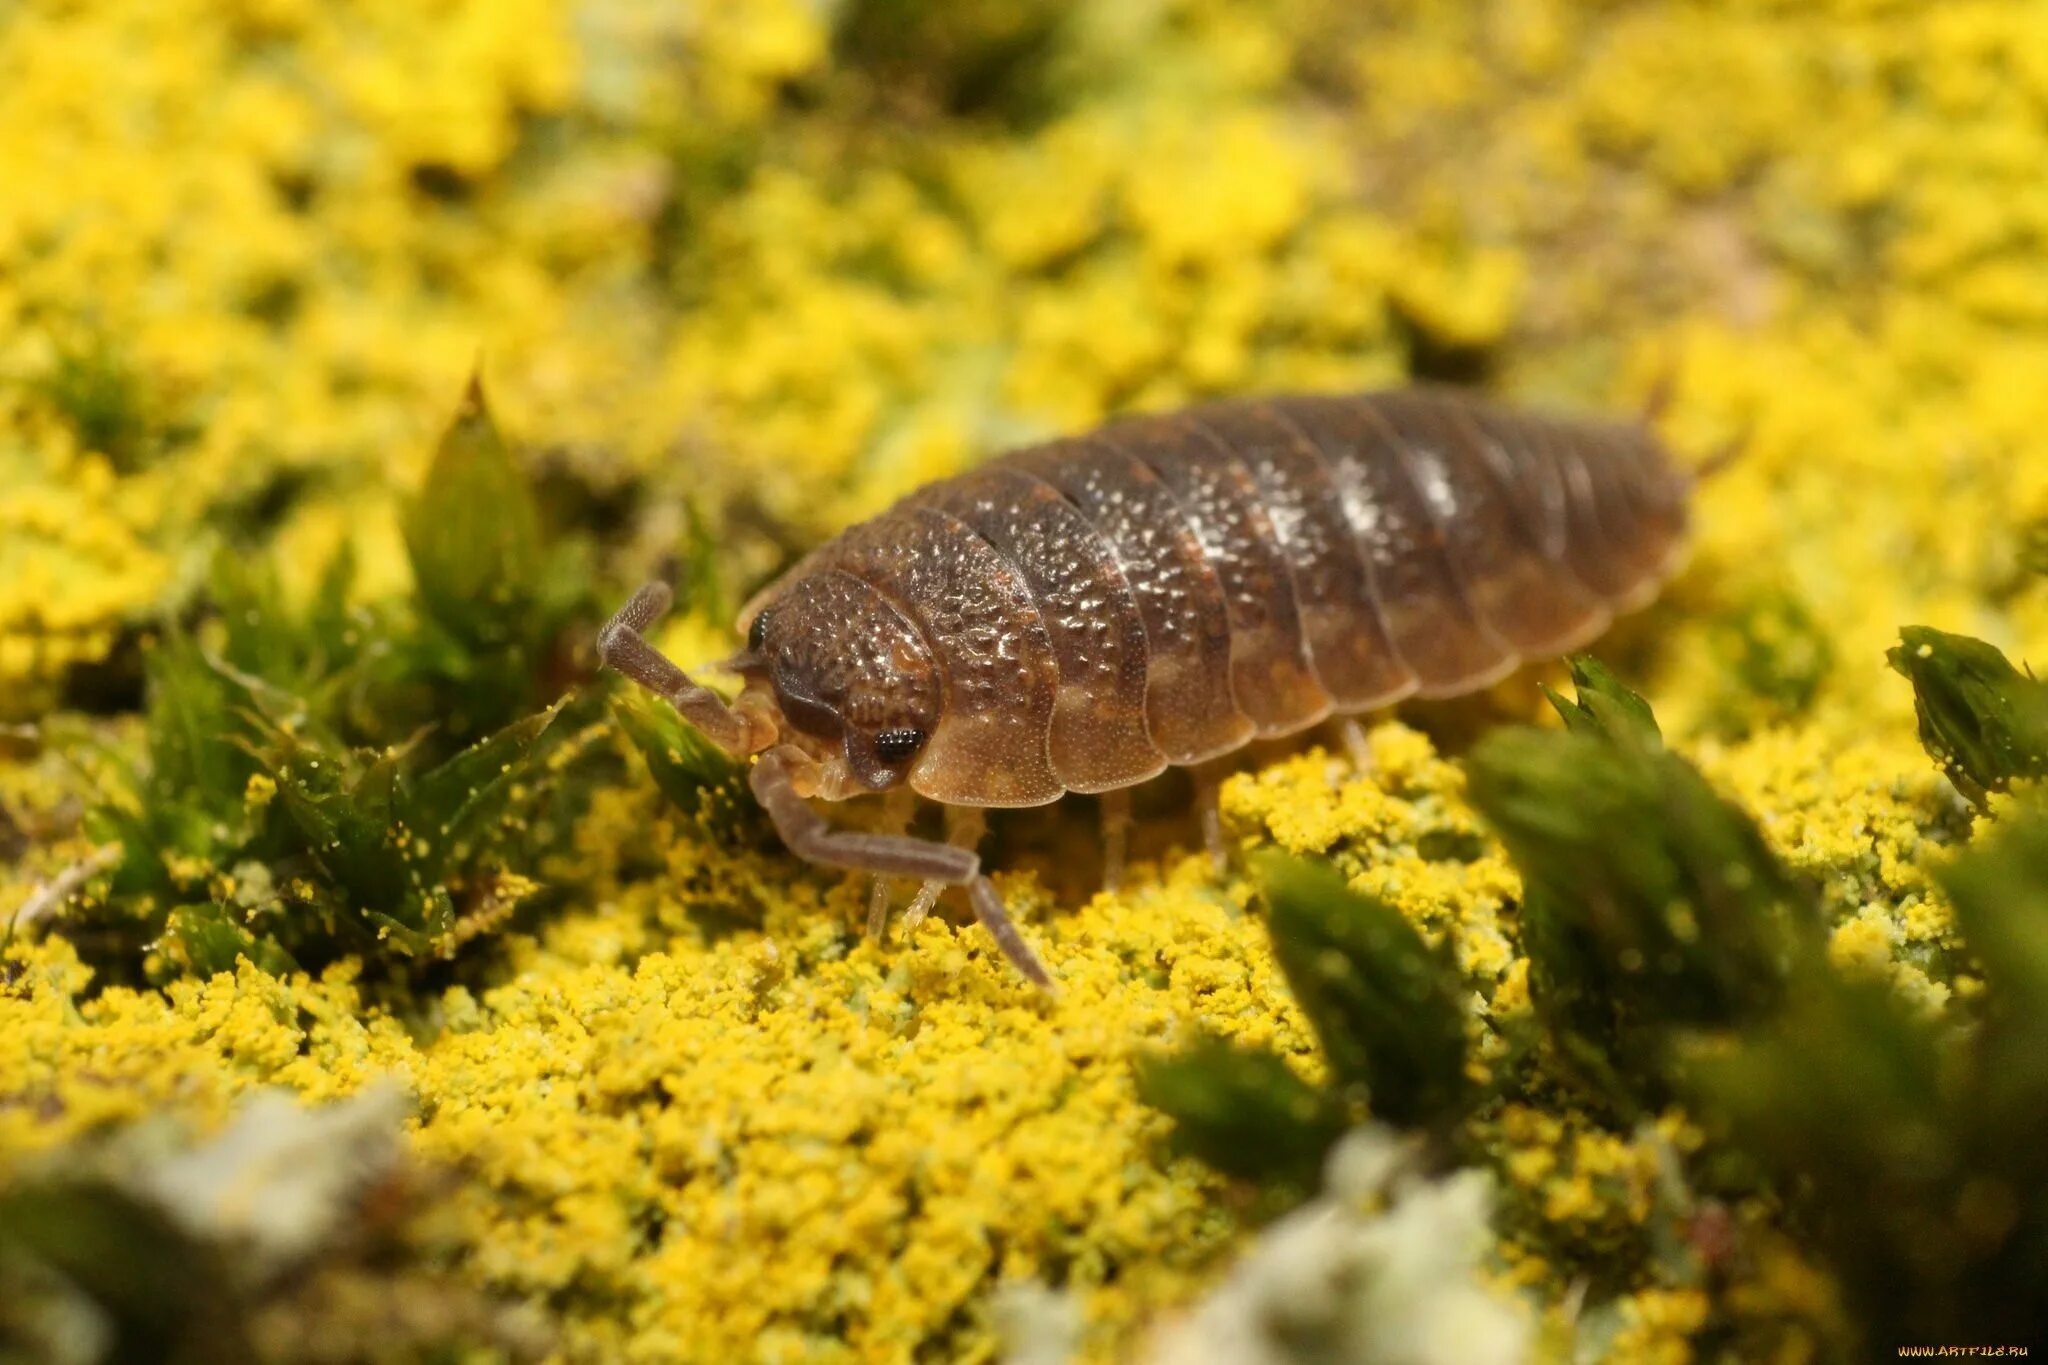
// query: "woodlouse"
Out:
[1078,615]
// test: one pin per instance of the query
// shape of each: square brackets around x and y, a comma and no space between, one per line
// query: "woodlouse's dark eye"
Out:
[893,746]
[757,634]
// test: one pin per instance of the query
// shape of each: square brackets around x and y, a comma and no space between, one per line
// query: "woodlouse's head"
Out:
[849,681]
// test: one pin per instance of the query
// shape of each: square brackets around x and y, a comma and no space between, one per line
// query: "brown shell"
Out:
[1167,588]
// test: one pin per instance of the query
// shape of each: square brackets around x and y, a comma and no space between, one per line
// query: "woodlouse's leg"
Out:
[878,907]
[897,820]
[989,911]
[1208,781]
[1116,835]
[811,837]
[622,646]
[965,827]
[921,904]
[1356,745]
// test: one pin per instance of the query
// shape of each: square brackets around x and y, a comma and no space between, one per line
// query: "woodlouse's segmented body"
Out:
[1079,615]
[1166,589]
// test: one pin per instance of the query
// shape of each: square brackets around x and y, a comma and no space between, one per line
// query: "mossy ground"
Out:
[249,251]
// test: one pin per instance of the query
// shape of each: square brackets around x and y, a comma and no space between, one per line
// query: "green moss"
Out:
[1384,1003]
[1604,705]
[255,830]
[1983,720]
[1385,1007]
[704,786]
[1243,1111]
[340,778]
[1651,903]
[1901,1144]
[473,532]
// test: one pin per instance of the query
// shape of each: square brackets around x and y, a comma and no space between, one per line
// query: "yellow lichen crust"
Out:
[730,253]
[766,1145]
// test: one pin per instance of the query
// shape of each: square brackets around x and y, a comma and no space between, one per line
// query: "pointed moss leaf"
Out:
[263,638]
[474,532]
[194,716]
[186,810]
[681,759]
[1646,893]
[209,940]
[1384,1003]
[1981,719]
[332,595]
[1243,1111]
[263,709]
[706,787]
[14,840]
[346,823]
[2000,892]
[423,931]
[143,869]
[1604,705]
[455,797]
[454,805]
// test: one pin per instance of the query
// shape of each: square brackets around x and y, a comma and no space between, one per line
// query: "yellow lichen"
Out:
[276,234]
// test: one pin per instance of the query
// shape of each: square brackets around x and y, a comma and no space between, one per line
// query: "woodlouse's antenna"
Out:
[623,646]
